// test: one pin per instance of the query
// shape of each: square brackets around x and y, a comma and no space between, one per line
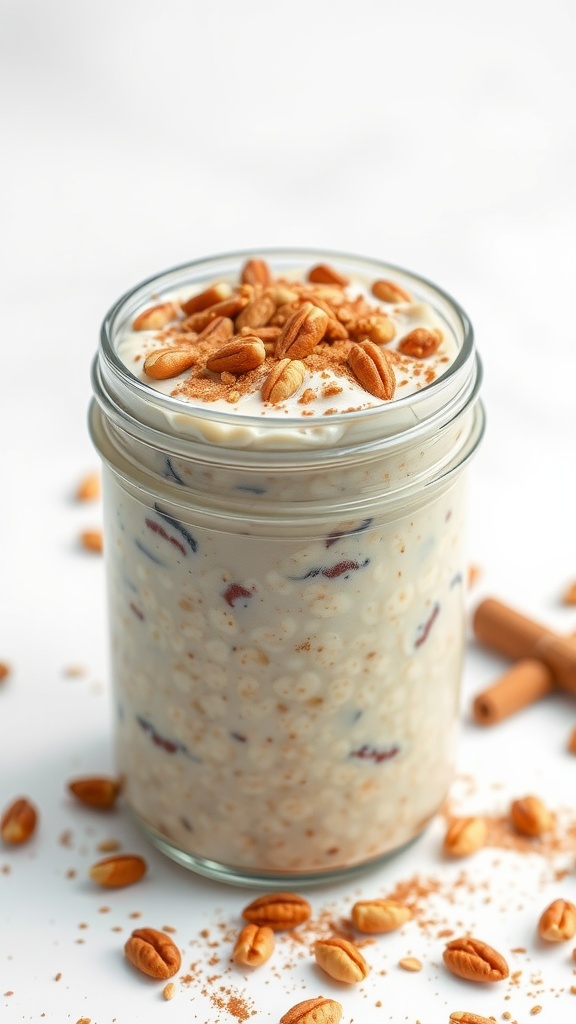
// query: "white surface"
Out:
[437,136]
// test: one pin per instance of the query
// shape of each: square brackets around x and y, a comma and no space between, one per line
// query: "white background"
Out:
[134,137]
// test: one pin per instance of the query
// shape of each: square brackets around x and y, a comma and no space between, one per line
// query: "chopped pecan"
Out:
[284,379]
[302,332]
[323,273]
[238,356]
[18,823]
[372,368]
[389,291]
[420,343]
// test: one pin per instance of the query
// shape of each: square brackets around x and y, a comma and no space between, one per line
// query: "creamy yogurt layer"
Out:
[284,523]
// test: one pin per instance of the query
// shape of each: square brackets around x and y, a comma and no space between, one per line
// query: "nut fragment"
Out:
[464,836]
[341,960]
[277,910]
[475,960]
[118,870]
[169,990]
[302,332]
[463,1017]
[238,356]
[153,952]
[558,922]
[569,595]
[530,816]
[410,963]
[92,540]
[377,328]
[89,488]
[284,379]
[95,790]
[379,915]
[254,945]
[314,1011]
[420,343]
[164,363]
[18,822]
[322,273]
[155,317]
[389,291]
[209,297]
[256,272]
[372,368]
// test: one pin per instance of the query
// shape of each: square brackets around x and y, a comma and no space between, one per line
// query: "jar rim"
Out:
[406,416]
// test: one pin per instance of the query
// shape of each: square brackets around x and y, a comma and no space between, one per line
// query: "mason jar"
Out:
[285,583]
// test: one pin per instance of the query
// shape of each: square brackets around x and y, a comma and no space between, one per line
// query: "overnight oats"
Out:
[284,437]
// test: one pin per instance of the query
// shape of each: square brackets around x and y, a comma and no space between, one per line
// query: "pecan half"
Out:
[389,291]
[341,960]
[530,816]
[558,922]
[284,379]
[302,332]
[254,945]
[18,823]
[256,272]
[95,791]
[118,870]
[420,343]
[464,836]
[153,952]
[463,1017]
[475,960]
[217,331]
[238,356]
[322,273]
[277,910]
[155,317]
[257,313]
[164,363]
[379,915]
[314,1011]
[209,297]
[372,369]
[228,307]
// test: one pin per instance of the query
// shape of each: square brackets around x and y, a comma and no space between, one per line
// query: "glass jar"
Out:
[286,604]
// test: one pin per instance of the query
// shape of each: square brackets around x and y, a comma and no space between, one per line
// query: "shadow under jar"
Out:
[285,578]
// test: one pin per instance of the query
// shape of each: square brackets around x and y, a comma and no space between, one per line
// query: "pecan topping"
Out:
[388,291]
[216,293]
[257,313]
[118,870]
[217,331]
[372,368]
[377,328]
[302,332]
[475,960]
[95,791]
[379,915]
[164,363]
[256,272]
[341,960]
[420,343]
[238,356]
[18,823]
[284,379]
[278,910]
[228,307]
[153,952]
[322,273]
[254,945]
[558,922]
[314,1011]
[155,317]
